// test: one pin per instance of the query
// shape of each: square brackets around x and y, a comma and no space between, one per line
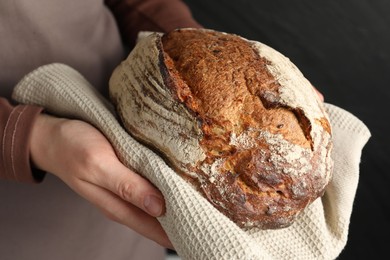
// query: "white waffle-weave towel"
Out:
[195,227]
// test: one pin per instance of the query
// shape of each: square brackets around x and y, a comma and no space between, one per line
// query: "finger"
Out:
[131,187]
[319,94]
[125,213]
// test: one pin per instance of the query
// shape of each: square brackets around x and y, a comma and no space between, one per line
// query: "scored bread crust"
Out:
[234,117]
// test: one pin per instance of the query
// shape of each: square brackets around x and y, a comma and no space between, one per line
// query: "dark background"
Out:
[343,48]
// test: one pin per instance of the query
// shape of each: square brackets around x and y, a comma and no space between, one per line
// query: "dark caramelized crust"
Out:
[227,86]
[225,80]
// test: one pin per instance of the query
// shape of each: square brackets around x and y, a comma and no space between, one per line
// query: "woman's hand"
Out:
[321,97]
[82,157]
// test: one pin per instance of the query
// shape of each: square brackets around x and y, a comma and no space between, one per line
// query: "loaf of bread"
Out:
[233,117]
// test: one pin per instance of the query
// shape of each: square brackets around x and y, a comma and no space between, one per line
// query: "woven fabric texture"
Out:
[195,227]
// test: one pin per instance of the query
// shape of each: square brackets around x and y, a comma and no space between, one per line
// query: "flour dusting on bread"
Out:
[234,117]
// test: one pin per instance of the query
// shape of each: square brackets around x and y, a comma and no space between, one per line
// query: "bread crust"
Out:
[234,117]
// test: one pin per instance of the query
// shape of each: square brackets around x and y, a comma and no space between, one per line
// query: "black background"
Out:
[343,48]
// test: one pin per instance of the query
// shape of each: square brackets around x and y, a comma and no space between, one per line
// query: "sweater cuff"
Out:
[15,150]
[134,16]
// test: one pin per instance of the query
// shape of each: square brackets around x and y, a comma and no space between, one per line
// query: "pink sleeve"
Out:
[15,128]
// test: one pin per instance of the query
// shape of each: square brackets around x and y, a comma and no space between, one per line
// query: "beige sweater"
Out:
[49,221]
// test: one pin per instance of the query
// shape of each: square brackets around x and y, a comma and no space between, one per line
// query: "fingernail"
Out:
[153,205]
